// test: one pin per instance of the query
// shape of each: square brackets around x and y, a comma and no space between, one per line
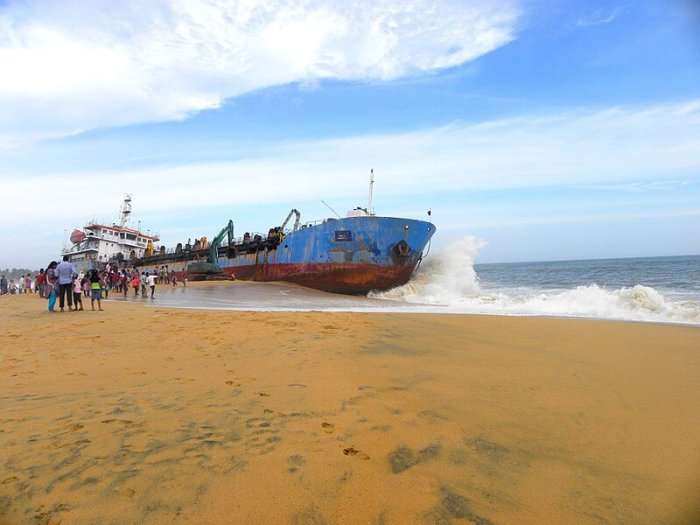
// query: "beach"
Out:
[154,415]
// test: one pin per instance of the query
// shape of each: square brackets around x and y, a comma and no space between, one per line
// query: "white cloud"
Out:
[614,146]
[75,65]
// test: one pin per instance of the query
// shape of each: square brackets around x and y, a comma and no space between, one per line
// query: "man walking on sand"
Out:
[151,283]
[65,271]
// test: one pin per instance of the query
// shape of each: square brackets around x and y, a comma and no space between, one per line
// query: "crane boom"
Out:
[296,221]
[216,242]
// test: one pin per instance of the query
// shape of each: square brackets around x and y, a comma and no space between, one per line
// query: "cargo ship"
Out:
[350,255]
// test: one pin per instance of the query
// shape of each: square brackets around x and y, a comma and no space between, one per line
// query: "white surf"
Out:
[449,280]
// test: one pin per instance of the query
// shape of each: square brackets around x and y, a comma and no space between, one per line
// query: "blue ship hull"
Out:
[352,255]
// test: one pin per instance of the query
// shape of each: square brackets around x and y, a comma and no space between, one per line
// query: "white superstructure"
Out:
[100,243]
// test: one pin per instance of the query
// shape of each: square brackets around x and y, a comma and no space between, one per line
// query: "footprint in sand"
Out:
[350,451]
[295,463]
[262,435]
[328,428]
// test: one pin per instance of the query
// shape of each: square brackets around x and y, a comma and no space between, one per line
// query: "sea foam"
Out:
[449,280]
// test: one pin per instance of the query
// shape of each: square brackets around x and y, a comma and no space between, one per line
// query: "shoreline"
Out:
[403,308]
[161,415]
[372,311]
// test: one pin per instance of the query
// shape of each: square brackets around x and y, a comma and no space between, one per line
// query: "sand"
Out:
[150,415]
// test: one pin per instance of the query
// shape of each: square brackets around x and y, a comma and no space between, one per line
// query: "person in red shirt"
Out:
[41,283]
[135,283]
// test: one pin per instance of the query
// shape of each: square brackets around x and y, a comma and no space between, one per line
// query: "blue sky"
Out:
[551,130]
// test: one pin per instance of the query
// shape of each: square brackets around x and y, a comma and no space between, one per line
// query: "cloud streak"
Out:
[614,146]
[599,17]
[79,65]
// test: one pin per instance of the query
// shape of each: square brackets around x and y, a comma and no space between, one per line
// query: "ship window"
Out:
[343,235]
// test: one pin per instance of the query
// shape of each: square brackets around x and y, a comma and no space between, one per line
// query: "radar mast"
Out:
[125,211]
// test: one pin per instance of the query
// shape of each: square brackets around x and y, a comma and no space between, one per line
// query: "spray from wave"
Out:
[449,280]
[442,279]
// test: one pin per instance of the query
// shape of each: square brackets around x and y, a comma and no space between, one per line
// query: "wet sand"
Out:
[154,415]
[266,296]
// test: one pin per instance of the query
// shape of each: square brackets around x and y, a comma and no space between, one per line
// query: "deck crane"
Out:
[296,221]
[216,243]
[210,269]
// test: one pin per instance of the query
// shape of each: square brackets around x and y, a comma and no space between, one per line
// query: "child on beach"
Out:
[77,292]
[95,290]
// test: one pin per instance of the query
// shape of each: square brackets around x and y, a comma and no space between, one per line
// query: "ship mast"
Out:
[371,190]
[125,211]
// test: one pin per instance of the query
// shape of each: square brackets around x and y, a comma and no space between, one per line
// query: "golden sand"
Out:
[146,415]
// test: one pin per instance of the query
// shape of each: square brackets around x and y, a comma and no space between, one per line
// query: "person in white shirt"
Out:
[151,280]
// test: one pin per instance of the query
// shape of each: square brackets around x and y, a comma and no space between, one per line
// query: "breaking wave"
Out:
[449,280]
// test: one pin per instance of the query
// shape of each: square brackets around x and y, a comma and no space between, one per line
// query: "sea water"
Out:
[662,289]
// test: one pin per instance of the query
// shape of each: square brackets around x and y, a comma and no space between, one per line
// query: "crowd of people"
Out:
[61,283]
[25,284]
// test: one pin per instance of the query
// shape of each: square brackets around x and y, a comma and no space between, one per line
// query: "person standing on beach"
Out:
[144,276]
[41,283]
[77,292]
[95,290]
[151,283]
[85,285]
[51,285]
[28,283]
[135,283]
[3,285]
[65,271]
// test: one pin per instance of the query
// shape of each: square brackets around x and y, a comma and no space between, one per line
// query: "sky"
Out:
[548,129]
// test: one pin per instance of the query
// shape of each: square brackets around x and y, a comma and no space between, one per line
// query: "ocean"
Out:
[661,289]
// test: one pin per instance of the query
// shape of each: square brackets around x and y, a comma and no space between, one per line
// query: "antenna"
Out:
[371,189]
[328,206]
